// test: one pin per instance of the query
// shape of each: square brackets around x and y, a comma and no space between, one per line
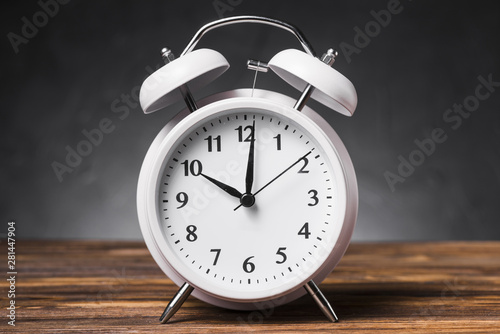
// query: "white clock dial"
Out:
[290,219]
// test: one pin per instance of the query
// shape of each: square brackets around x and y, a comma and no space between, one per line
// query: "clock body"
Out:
[239,256]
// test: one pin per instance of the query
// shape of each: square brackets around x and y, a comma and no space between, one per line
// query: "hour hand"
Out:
[230,190]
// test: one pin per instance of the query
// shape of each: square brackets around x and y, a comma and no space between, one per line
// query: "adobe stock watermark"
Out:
[450,295]
[30,27]
[265,309]
[232,174]
[452,117]
[223,6]
[363,37]
[201,197]
[108,292]
[94,137]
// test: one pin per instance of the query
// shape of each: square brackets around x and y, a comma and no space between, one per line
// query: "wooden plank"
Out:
[102,287]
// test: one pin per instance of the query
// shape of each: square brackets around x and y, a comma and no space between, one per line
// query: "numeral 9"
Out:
[182,198]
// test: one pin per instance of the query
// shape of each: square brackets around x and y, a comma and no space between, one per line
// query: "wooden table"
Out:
[103,287]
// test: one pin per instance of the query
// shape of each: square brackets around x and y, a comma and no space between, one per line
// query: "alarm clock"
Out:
[247,196]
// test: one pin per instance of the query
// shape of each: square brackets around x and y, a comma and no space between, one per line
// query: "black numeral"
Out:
[305,231]
[283,255]
[278,142]
[195,167]
[248,266]
[302,170]
[191,236]
[241,130]
[217,253]
[182,198]
[209,140]
[314,197]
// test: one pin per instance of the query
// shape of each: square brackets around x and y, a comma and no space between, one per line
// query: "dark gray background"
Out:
[429,57]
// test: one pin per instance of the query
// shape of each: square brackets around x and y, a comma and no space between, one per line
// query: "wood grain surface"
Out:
[113,287]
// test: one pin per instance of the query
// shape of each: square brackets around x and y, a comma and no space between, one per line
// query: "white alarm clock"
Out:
[247,196]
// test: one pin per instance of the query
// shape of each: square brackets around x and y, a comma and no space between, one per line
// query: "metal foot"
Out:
[176,302]
[320,299]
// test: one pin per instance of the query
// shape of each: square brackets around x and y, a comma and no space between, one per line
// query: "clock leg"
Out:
[320,299]
[176,302]
[168,56]
[327,58]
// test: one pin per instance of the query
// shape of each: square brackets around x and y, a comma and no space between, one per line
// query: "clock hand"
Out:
[230,190]
[283,172]
[250,165]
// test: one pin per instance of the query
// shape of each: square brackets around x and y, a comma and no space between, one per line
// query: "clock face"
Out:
[239,232]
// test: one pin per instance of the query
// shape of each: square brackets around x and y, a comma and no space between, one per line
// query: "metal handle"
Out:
[249,19]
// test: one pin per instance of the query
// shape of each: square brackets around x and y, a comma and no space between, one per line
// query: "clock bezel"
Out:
[236,99]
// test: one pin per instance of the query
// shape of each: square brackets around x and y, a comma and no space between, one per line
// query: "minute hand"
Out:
[283,172]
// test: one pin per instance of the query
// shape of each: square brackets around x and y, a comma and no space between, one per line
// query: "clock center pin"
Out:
[247,200]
